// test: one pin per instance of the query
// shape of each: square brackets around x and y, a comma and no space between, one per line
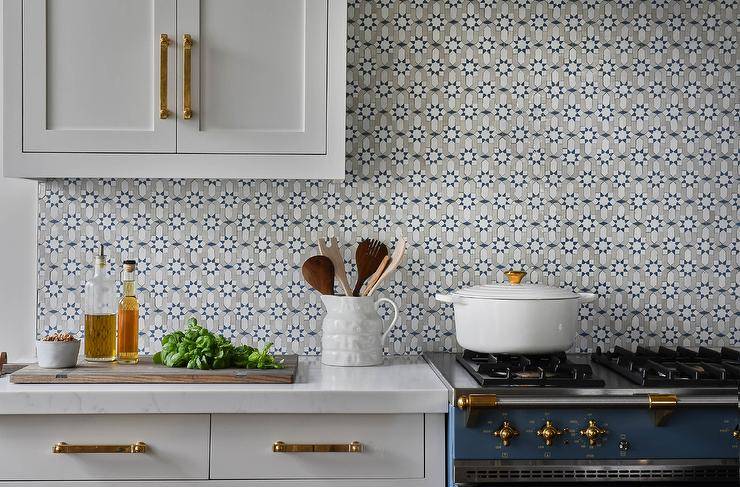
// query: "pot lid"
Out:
[514,290]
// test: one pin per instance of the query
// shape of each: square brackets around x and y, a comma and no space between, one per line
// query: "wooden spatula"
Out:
[376,275]
[318,271]
[332,251]
[369,255]
[392,265]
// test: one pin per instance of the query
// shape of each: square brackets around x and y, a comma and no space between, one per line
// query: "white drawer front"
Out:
[177,447]
[242,446]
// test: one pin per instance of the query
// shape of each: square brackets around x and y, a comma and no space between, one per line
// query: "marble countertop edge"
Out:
[400,385]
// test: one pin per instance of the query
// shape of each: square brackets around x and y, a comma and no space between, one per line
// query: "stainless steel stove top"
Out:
[460,381]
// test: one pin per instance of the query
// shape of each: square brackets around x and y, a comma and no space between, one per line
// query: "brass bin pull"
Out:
[164,44]
[187,51]
[281,447]
[62,447]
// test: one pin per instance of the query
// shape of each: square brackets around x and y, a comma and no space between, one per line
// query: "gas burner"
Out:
[673,367]
[552,370]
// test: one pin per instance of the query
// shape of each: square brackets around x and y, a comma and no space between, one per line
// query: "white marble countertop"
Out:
[400,385]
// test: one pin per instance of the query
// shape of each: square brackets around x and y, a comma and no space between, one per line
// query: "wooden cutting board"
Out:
[146,372]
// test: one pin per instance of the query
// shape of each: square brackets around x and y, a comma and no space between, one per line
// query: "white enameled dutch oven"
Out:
[516,318]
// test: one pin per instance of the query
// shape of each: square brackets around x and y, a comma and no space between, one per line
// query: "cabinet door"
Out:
[257,76]
[92,80]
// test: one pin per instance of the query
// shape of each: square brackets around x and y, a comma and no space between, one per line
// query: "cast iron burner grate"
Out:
[673,367]
[552,370]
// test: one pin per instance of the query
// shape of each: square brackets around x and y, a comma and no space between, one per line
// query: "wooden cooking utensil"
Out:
[374,278]
[369,255]
[335,255]
[392,265]
[319,273]
[3,360]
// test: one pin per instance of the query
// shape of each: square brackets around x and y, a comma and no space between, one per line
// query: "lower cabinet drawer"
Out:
[388,446]
[176,447]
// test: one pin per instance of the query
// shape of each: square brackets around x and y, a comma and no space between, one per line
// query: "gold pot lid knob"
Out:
[515,277]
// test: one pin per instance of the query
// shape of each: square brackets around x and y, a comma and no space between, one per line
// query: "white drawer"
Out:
[242,446]
[177,447]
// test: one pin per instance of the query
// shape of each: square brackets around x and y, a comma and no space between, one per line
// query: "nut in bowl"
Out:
[57,351]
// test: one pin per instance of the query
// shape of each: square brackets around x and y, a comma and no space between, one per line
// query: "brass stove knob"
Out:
[549,432]
[506,432]
[593,432]
[736,433]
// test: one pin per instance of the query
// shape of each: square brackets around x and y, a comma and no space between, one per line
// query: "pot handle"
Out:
[447,298]
[585,298]
[395,314]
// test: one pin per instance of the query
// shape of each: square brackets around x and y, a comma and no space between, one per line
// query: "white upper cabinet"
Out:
[174,88]
[91,75]
[257,84]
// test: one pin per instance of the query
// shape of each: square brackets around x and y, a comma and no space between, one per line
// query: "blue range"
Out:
[630,418]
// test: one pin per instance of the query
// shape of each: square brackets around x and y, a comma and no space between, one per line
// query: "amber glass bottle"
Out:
[128,317]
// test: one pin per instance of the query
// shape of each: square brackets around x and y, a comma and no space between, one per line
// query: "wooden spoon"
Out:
[392,265]
[369,255]
[335,255]
[318,271]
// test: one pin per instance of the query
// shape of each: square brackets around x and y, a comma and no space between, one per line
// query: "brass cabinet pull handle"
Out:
[280,447]
[62,447]
[187,50]
[164,44]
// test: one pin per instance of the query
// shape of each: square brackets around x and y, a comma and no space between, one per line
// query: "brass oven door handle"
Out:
[281,447]
[187,51]
[164,44]
[62,447]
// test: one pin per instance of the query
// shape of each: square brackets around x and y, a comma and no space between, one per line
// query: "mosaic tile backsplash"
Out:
[592,143]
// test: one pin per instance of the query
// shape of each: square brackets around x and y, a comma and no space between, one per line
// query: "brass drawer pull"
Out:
[280,447]
[187,51]
[62,447]
[164,43]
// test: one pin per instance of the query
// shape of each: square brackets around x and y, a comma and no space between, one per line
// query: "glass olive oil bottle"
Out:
[100,315]
[128,317]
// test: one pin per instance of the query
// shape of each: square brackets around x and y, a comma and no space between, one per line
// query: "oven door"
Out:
[498,445]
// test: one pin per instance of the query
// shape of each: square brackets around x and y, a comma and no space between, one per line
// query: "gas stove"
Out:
[552,370]
[648,416]
[674,367]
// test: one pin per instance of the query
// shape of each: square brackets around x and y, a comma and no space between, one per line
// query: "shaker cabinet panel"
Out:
[175,446]
[257,76]
[91,75]
[268,446]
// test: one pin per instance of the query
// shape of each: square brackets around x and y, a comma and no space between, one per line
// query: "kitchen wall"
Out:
[18,210]
[17,277]
[592,143]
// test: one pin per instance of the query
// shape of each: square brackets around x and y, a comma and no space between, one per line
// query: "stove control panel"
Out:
[625,433]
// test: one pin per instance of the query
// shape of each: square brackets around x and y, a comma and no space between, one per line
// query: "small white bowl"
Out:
[57,355]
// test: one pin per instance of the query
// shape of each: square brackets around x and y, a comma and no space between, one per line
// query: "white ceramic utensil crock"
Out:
[516,318]
[57,355]
[352,332]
